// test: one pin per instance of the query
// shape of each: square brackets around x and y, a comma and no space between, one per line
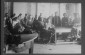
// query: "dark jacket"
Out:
[56,21]
[9,25]
[16,28]
[65,21]
[39,18]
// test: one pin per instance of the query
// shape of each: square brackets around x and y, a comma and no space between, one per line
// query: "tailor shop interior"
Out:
[51,21]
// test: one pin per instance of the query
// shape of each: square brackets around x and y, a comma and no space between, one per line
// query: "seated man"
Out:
[27,27]
[73,34]
[45,32]
[50,28]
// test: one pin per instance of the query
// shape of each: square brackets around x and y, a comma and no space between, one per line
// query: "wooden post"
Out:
[31,47]
[11,9]
[55,37]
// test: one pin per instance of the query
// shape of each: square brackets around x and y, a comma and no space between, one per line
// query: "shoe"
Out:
[9,47]
[15,49]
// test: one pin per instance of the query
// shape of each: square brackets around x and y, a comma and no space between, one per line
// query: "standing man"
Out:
[65,20]
[24,21]
[25,18]
[40,17]
[56,20]
[5,19]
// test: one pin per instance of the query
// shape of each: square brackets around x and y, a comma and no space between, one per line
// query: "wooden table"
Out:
[28,42]
[61,30]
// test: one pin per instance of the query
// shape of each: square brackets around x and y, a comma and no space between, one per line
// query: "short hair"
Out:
[25,14]
[6,14]
[64,14]
[14,19]
[20,14]
[40,13]
[14,14]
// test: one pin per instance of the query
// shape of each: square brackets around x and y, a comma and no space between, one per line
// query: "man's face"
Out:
[6,15]
[41,15]
[25,14]
[65,15]
[13,15]
[31,17]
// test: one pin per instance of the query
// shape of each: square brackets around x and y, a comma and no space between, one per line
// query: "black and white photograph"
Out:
[42,28]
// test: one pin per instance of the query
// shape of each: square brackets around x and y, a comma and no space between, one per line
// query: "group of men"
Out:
[65,21]
[44,27]
[15,25]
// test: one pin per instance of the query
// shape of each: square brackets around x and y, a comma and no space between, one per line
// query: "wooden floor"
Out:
[60,47]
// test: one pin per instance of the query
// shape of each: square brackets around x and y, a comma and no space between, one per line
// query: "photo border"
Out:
[47,1]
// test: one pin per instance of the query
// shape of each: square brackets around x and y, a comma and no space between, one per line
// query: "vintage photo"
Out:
[42,28]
